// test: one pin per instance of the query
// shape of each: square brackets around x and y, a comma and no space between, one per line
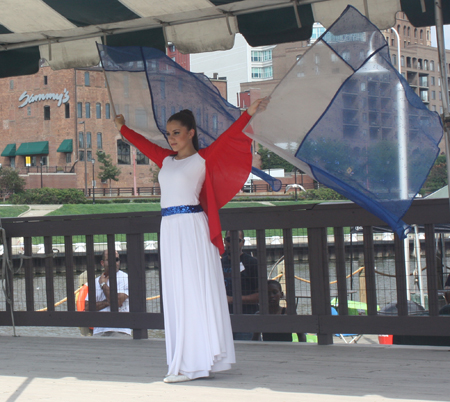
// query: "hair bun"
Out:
[187,111]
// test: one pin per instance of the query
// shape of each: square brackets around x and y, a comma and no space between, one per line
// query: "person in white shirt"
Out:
[102,293]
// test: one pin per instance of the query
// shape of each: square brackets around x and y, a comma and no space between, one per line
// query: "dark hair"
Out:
[186,118]
[239,231]
[276,283]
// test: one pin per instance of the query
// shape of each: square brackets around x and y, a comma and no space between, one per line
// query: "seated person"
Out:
[275,293]
[249,281]
[446,309]
[102,294]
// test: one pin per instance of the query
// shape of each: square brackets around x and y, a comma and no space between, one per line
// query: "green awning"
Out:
[10,150]
[66,146]
[33,148]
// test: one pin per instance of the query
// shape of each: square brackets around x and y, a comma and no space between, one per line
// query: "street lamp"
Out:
[93,182]
[85,156]
[42,162]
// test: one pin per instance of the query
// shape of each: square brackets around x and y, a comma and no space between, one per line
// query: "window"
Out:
[68,157]
[264,55]
[140,118]
[123,153]
[262,72]
[98,110]
[433,108]
[88,140]
[163,89]
[433,82]
[424,95]
[80,139]
[402,61]
[431,65]
[67,110]
[409,31]
[99,141]
[141,159]
[87,80]
[439,81]
[81,156]
[415,33]
[394,59]
[33,160]
[108,111]
[79,110]
[44,161]
[126,86]
[214,123]
[11,84]
[45,80]
[425,64]
[404,31]
[12,162]
[421,34]
[433,95]
[440,95]
[87,111]
[392,42]
[89,155]
[171,48]
[46,112]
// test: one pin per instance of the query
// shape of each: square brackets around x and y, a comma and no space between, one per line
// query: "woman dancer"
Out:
[194,185]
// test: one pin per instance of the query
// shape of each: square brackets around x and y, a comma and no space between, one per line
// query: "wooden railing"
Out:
[326,227]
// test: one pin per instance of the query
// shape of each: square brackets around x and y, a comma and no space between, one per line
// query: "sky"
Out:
[446,35]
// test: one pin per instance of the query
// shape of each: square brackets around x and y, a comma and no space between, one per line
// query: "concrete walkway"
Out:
[40,210]
[90,369]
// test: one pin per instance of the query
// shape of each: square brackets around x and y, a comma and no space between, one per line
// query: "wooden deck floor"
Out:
[90,369]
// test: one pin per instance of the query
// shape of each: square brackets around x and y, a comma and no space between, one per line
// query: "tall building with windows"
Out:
[53,124]
[419,63]
[242,63]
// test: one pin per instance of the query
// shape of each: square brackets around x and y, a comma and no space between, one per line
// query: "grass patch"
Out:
[88,209]
[12,212]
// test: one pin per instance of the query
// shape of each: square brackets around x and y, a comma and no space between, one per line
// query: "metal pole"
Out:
[93,182]
[41,162]
[444,81]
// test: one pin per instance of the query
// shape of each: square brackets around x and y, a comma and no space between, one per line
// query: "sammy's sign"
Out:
[27,99]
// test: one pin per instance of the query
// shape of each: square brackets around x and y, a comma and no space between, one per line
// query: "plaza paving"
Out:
[90,369]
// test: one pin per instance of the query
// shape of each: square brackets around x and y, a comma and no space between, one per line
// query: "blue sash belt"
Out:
[181,209]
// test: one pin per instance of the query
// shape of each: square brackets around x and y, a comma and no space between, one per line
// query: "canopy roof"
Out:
[33,148]
[10,150]
[65,31]
[66,146]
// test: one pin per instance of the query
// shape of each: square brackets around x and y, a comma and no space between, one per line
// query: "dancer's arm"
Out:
[154,152]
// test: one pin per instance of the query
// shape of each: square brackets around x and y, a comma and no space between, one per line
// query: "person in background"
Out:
[275,294]
[102,293]
[249,281]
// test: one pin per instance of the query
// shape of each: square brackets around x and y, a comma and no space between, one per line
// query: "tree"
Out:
[108,171]
[270,160]
[10,182]
[437,177]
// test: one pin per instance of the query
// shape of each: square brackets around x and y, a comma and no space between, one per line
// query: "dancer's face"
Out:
[179,137]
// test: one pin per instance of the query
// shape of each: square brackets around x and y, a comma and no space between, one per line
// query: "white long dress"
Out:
[197,324]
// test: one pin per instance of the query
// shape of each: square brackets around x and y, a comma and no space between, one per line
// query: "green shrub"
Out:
[323,193]
[120,201]
[49,196]
[145,200]
[101,201]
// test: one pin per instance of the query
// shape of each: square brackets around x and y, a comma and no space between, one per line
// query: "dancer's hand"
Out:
[119,121]
[258,105]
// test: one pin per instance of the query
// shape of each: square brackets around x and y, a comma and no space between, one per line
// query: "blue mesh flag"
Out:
[346,117]
[147,87]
